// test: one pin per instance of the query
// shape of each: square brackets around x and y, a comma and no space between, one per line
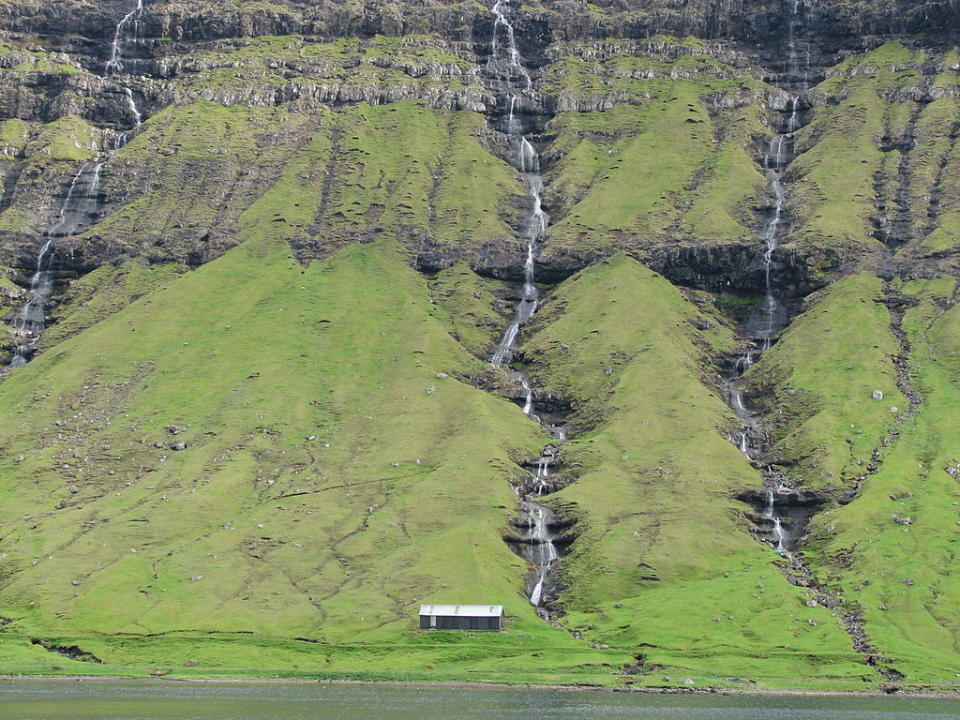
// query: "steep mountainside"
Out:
[637,317]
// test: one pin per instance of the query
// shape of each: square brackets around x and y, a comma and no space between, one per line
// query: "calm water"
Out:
[144,701]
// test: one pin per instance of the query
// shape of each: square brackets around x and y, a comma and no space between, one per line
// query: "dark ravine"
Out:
[850,614]
[537,529]
[81,204]
[782,511]
[73,652]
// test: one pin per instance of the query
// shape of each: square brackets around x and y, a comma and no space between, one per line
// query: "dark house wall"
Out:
[445,622]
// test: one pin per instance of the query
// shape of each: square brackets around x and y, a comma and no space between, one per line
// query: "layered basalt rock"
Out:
[793,508]
[226,53]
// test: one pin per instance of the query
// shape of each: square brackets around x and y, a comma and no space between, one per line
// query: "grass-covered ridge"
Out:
[666,564]
[892,552]
[657,147]
[200,177]
[301,506]
[258,433]
[818,385]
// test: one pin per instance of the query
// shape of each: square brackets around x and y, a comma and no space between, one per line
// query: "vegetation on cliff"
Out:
[261,427]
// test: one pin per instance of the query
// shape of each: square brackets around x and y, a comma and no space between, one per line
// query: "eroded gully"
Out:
[782,510]
[538,529]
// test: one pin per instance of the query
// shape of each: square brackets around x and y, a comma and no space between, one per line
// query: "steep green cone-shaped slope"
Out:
[329,481]
[817,385]
[893,551]
[665,565]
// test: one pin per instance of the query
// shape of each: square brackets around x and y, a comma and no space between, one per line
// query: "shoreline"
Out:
[474,685]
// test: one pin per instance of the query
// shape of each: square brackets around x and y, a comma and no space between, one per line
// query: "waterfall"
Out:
[512,83]
[127,31]
[770,513]
[511,79]
[546,553]
[771,316]
[543,472]
[527,161]
[538,547]
[79,208]
[132,18]
[77,213]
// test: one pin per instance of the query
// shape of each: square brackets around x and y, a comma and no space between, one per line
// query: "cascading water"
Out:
[771,316]
[512,83]
[132,21]
[539,547]
[770,513]
[77,213]
[127,32]
[79,208]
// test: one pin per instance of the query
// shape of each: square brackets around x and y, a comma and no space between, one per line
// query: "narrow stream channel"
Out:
[764,325]
[79,208]
[512,84]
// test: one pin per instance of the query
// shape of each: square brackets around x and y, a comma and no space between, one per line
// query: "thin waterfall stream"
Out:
[78,210]
[127,31]
[512,84]
[77,213]
[771,316]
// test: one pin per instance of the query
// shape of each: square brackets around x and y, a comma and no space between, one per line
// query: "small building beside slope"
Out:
[461,617]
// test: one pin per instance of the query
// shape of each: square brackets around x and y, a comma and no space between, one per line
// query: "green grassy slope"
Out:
[261,465]
[302,506]
[666,564]
[422,175]
[818,383]
[893,551]
[671,161]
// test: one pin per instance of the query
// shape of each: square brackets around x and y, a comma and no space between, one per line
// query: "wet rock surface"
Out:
[184,52]
[794,507]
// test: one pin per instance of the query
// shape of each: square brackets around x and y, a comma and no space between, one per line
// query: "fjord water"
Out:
[65,700]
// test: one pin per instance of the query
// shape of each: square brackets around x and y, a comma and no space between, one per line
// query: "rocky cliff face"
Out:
[237,95]
[345,163]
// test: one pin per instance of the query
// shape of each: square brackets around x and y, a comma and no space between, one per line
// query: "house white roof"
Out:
[463,610]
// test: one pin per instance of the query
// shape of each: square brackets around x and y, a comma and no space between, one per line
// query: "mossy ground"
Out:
[667,163]
[339,465]
[892,552]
